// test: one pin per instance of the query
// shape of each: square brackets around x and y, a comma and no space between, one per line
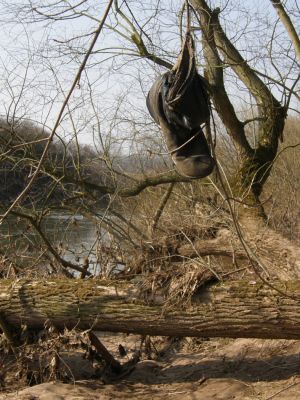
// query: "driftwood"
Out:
[231,309]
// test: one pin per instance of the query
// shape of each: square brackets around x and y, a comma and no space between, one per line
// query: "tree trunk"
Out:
[232,309]
[255,163]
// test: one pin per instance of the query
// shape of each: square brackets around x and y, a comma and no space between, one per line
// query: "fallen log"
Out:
[231,309]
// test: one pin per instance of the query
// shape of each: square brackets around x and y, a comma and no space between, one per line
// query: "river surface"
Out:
[73,236]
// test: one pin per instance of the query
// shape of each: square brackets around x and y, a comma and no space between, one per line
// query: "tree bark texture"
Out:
[232,309]
[256,163]
[287,22]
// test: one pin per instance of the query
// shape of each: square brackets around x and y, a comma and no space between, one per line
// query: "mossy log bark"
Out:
[232,309]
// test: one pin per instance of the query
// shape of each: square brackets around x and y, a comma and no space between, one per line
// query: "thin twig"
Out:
[282,390]
[160,209]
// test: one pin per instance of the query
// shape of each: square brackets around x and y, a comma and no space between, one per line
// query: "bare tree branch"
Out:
[287,22]
[214,71]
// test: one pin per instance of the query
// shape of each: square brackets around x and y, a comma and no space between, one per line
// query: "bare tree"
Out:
[252,91]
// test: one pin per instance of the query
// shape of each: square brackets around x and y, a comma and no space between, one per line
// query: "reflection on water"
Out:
[73,236]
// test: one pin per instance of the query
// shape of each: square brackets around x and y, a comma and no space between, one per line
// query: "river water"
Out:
[73,236]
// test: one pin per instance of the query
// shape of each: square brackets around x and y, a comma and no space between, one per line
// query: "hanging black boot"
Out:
[178,101]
